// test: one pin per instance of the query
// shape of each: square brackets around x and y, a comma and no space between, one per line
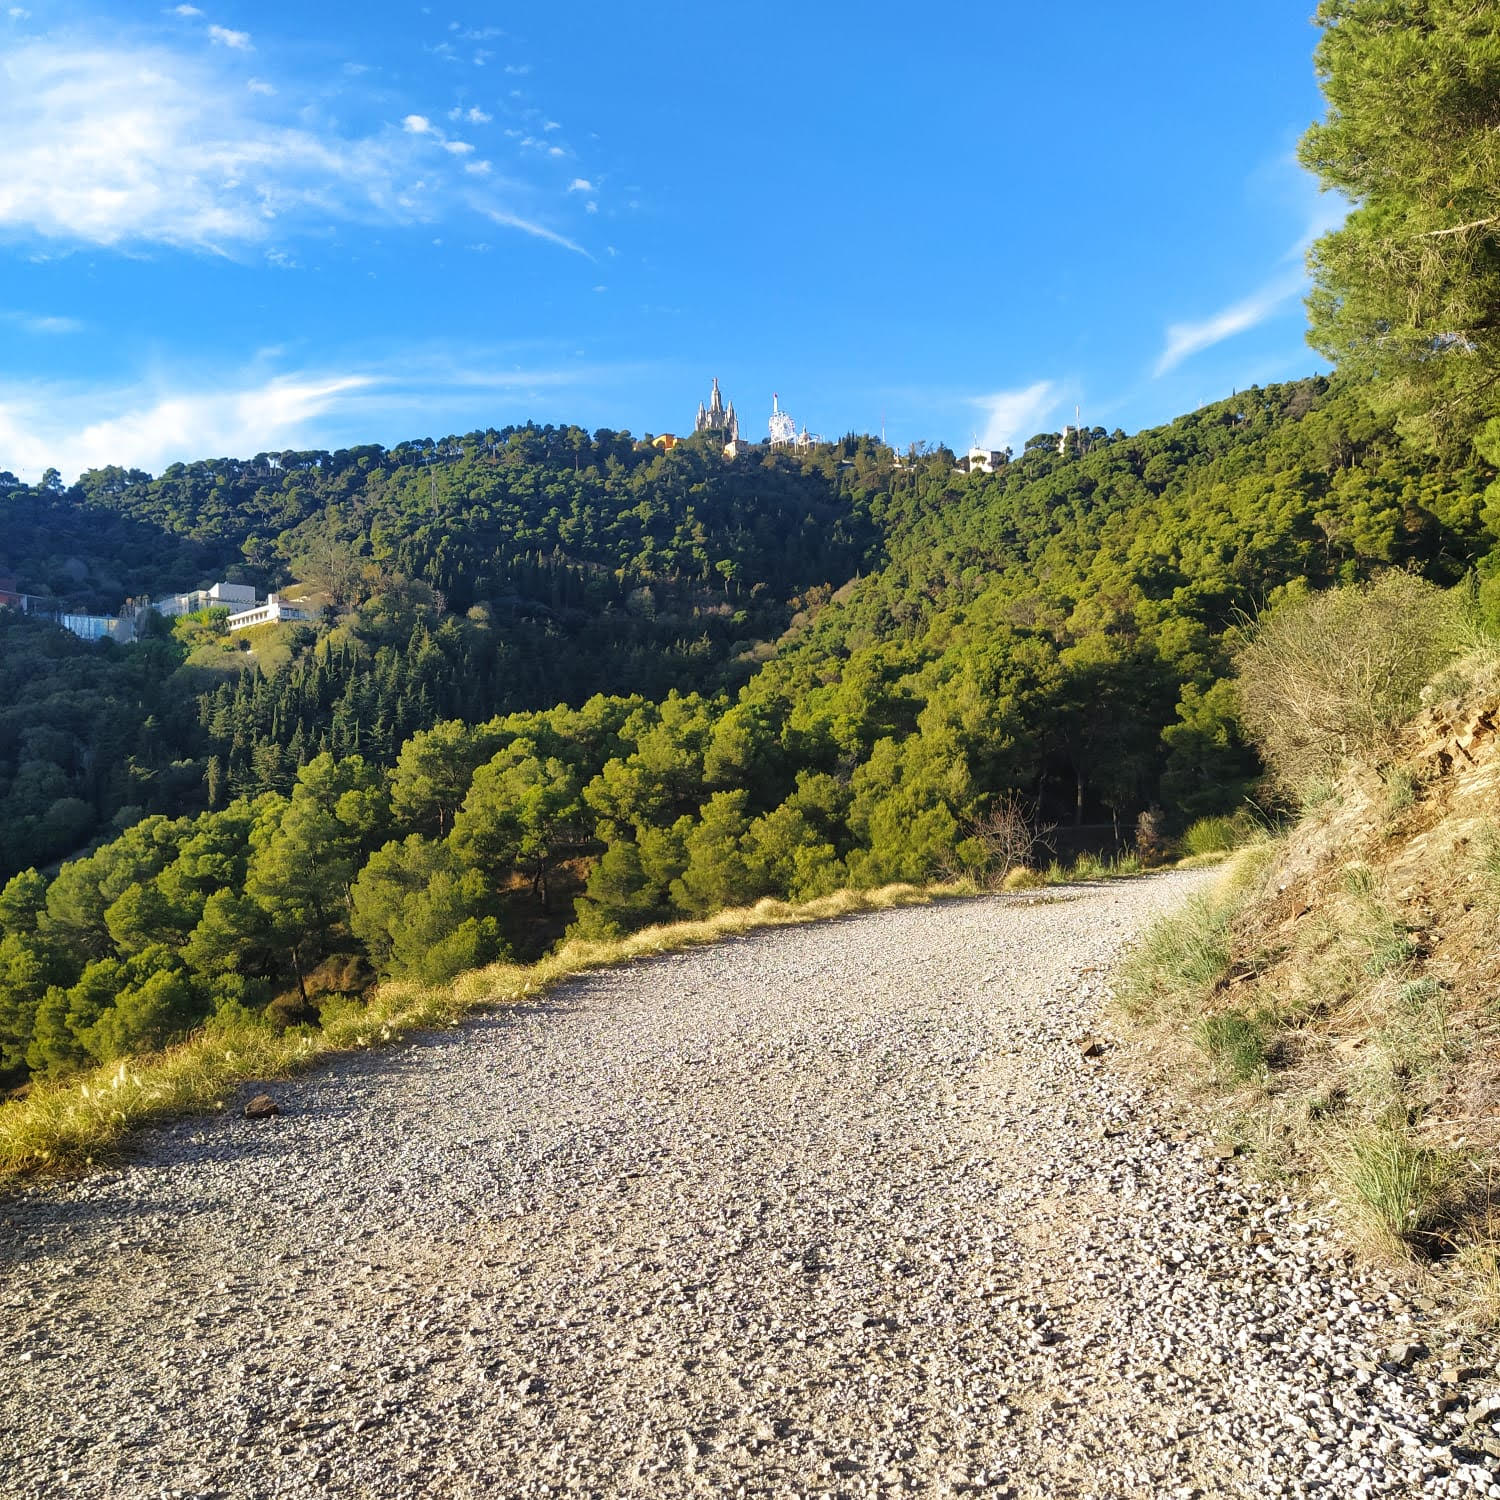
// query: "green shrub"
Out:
[1212,836]
[1235,1043]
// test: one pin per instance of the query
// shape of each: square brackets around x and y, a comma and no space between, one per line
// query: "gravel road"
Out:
[832,1210]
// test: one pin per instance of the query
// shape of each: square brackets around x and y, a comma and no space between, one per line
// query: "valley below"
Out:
[846,1209]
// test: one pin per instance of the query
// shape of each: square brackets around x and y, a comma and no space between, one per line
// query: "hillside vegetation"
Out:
[565,686]
[1342,985]
[1341,988]
[485,574]
[1051,637]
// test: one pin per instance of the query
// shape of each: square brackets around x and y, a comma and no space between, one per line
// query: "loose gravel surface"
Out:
[833,1210]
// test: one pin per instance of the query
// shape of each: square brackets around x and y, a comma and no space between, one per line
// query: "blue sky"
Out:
[228,227]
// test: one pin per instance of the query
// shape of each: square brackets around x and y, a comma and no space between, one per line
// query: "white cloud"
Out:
[474,115]
[186,10]
[238,41]
[150,429]
[458,148]
[42,323]
[206,415]
[18,13]
[477,168]
[539,231]
[580,185]
[125,145]
[1010,417]
[591,207]
[1187,339]
[50,325]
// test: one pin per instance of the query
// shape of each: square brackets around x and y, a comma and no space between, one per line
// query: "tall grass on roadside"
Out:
[1236,1044]
[72,1122]
[1398,1191]
[1212,836]
[1186,953]
[1179,960]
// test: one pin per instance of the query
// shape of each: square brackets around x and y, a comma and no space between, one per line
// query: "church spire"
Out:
[716,417]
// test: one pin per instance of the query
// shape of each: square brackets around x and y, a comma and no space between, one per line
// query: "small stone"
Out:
[262,1107]
[1090,1046]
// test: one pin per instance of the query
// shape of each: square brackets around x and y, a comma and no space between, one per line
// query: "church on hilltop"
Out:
[716,417]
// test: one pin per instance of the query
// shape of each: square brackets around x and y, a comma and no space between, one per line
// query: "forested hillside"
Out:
[431,776]
[493,572]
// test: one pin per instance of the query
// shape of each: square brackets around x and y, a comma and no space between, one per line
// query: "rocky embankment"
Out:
[838,1210]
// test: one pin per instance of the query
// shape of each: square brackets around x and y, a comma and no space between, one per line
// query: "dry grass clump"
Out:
[73,1122]
[1342,1032]
[1400,1193]
[1335,675]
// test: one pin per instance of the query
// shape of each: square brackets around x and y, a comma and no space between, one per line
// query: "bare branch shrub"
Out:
[1336,674]
[1007,837]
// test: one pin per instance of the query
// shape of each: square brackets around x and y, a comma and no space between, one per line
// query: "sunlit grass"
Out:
[1398,1191]
[76,1121]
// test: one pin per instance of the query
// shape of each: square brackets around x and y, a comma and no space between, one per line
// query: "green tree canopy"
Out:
[1408,290]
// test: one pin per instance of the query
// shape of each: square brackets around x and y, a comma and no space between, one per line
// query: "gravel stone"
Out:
[837,1210]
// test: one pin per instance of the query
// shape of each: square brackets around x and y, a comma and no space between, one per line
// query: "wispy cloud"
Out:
[1013,416]
[1186,339]
[149,425]
[151,429]
[1289,192]
[537,231]
[120,144]
[41,323]
[238,41]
